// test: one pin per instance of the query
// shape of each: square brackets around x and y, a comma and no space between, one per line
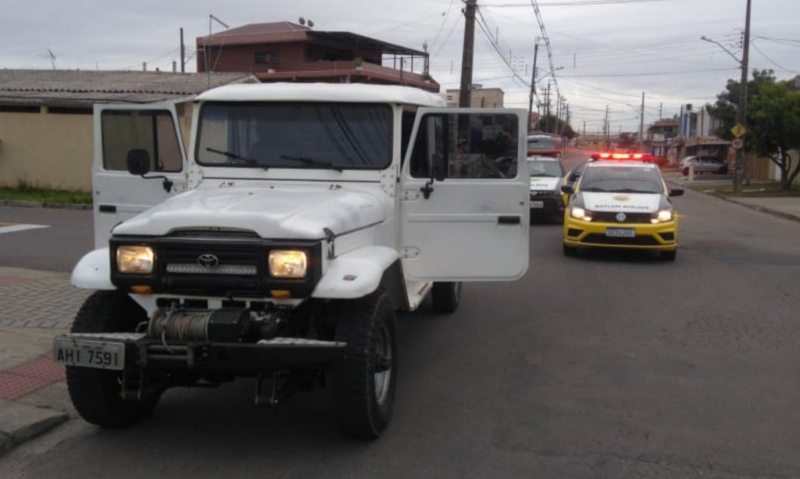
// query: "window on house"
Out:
[267,58]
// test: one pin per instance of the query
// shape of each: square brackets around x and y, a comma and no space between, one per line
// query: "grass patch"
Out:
[26,192]
[754,190]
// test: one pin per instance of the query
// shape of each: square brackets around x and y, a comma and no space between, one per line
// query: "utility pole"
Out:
[641,126]
[605,129]
[533,82]
[661,111]
[547,107]
[183,54]
[465,94]
[741,112]
[558,113]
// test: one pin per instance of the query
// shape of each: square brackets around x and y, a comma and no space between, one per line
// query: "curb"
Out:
[44,204]
[769,211]
[20,423]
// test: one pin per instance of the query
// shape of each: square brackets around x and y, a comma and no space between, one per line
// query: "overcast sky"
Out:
[610,53]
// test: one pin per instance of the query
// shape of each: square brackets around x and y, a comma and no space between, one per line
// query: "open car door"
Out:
[465,196]
[149,137]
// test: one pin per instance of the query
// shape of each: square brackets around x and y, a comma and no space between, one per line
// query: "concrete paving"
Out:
[788,206]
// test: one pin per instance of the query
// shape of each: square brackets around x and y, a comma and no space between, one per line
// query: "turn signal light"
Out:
[280,294]
[140,289]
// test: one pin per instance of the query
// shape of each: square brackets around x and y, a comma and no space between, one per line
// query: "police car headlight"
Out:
[663,216]
[580,213]
[290,264]
[135,259]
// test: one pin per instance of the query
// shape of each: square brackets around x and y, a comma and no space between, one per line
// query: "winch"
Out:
[227,325]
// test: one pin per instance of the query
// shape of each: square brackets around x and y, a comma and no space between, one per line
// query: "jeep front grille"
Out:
[223,269]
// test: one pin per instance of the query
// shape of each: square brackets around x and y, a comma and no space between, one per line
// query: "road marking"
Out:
[14,228]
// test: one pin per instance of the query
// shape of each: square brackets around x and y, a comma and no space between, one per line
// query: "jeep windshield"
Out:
[621,179]
[265,135]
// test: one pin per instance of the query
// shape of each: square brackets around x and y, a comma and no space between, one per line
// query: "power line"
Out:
[753,44]
[614,75]
[577,3]
[546,39]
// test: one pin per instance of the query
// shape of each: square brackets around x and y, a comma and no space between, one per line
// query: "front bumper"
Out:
[241,359]
[661,236]
[546,204]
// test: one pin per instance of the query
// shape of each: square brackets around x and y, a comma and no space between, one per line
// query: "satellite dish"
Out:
[302,21]
[311,23]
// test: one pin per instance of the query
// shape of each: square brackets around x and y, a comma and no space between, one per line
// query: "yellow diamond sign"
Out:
[738,130]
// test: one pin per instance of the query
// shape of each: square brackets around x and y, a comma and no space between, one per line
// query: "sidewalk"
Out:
[787,207]
[36,306]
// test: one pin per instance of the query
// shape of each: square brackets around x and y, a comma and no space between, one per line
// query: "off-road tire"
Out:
[446,297]
[360,323]
[668,255]
[95,393]
[570,250]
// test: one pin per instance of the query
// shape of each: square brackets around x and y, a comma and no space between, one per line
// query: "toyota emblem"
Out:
[208,261]
[621,217]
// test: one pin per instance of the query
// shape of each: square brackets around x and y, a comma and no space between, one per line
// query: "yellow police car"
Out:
[621,203]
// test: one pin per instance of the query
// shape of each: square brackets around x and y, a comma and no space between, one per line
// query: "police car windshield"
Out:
[622,179]
[545,168]
[295,135]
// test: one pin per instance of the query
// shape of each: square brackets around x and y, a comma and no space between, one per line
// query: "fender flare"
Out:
[93,271]
[356,274]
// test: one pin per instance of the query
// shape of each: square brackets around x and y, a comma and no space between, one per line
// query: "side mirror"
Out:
[676,192]
[567,189]
[573,177]
[138,162]
[438,168]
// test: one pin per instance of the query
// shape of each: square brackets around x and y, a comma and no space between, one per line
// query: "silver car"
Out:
[704,164]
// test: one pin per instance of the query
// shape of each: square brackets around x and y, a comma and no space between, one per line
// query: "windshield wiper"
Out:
[234,156]
[312,161]
[594,189]
[544,175]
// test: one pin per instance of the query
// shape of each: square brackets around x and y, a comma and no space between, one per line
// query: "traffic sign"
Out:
[738,130]
[737,144]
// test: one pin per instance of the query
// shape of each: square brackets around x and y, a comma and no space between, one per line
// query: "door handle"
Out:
[509,220]
[108,208]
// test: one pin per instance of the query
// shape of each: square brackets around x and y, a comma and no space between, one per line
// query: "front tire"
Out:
[95,393]
[363,384]
[446,297]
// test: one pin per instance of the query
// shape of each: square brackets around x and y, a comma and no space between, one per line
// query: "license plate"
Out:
[621,232]
[537,204]
[89,354]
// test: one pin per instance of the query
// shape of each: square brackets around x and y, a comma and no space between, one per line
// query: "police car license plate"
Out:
[621,232]
[537,204]
[89,354]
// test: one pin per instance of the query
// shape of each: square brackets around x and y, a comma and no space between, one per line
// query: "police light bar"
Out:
[617,156]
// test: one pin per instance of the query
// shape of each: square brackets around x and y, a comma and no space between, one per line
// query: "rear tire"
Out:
[446,297]
[363,384]
[668,255]
[570,250]
[95,393]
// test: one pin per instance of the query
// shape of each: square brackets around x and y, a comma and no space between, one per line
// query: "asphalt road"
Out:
[58,247]
[601,366]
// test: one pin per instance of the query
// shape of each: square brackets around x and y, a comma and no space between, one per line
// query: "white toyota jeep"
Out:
[281,246]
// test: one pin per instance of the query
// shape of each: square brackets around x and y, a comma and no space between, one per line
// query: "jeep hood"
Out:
[625,202]
[296,212]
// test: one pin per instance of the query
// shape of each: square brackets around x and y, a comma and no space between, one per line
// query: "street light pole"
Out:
[465,95]
[533,83]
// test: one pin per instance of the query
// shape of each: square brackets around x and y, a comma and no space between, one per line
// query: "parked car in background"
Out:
[704,164]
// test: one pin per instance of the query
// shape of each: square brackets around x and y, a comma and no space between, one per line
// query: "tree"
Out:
[626,140]
[551,124]
[724,109]
[774,127]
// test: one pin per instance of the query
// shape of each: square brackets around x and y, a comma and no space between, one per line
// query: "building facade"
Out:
[285,51]
[47,125]
[479,98]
